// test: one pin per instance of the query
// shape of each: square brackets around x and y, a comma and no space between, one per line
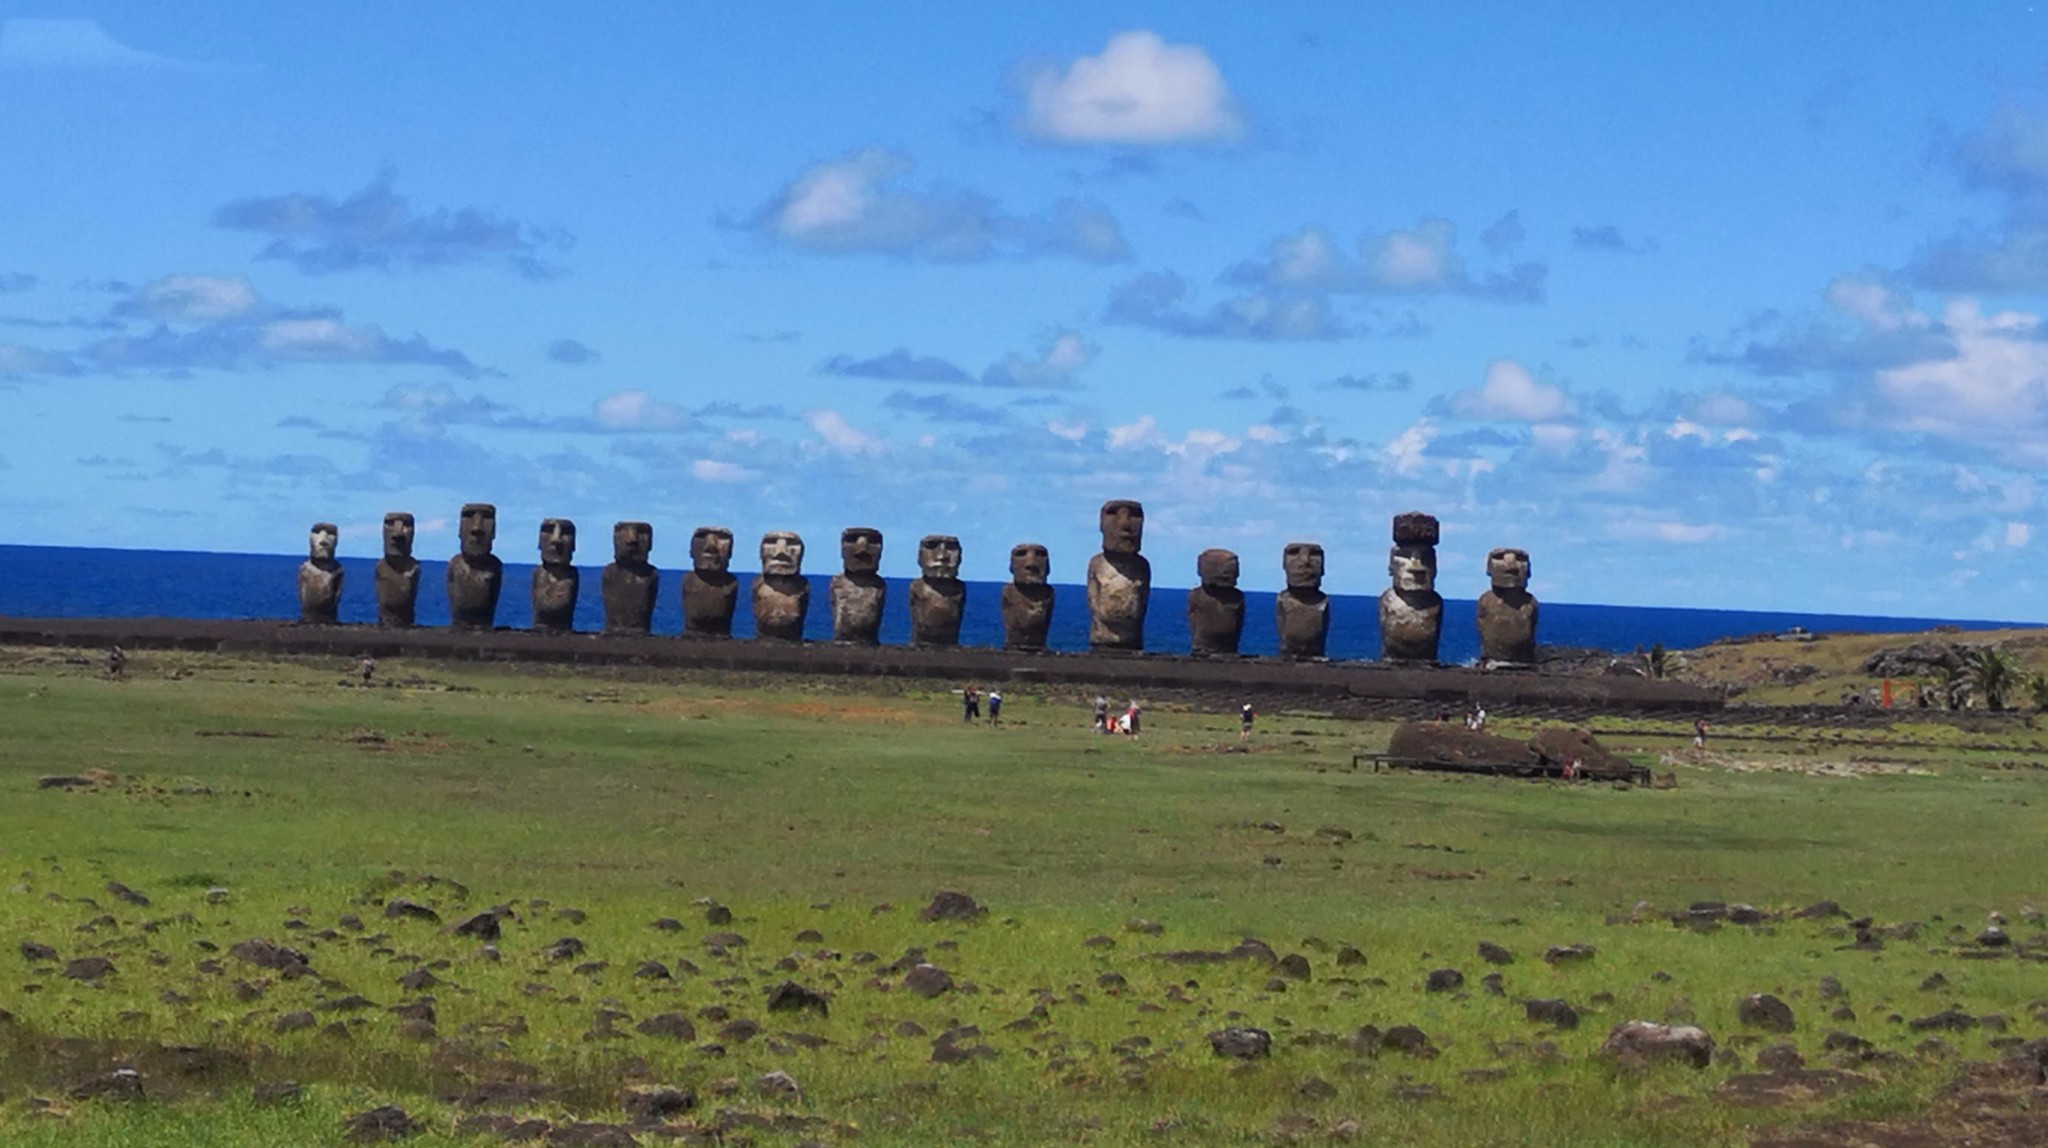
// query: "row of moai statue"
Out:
[1119,586]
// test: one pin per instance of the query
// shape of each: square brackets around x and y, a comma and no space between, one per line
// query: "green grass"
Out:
[806,806]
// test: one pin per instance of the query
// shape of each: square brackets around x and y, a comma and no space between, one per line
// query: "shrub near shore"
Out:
[740,838]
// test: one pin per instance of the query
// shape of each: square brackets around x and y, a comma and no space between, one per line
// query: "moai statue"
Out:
[1507,612]
[1301,612]
[1411,612]
[475,576]
[398,572]
[1215,605]
[555,580]
[858,592]
[631,582]
[710,590]
[938,598]
[320,577]
[782,596]
[1027,600]
[1119,580]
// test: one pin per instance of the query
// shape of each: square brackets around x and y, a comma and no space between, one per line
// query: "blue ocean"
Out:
[66,582]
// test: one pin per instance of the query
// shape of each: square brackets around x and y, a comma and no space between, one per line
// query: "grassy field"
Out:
[704,842]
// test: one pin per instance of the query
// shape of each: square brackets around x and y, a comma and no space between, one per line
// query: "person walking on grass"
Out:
[970,704]
[995,707]
[1699,733]
[369,669]
[117,663]
[1244,723]
[1101,714]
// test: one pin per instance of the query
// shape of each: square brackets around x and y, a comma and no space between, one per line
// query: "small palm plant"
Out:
[1992,674]
[2037,691]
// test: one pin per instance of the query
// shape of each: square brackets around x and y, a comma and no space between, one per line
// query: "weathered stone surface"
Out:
[1443,981]
[790,996]
[1640,1042]
[1411,612]
[630,584]
[782,596]
[1920,659]
[1301,612]
[1450,743]
[386,1122]
[1241,1043]
[1027,600]
[555,581]
[948,905]
[1764,1011]
[938,599]
[1216,605]
[475,575]
[927,980]
[120,1084]
[398,574]
[710,590]
[1557,744]
[320,576]
[1507,611]
[858,591]
[1119,580]
[652,1102]
[1555,1013]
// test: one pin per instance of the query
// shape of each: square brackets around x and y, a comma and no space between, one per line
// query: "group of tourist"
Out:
[970,705]
[1129,723]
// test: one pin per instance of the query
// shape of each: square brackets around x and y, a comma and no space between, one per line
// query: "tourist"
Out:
[995,708]
[1472,717]
[1699,733]
[1478,717]
[117,663]
[1101,714]
[970,704]
[1130,719]
[369,669]
[1244,723]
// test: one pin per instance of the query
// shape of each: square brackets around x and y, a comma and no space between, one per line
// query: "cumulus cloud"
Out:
[1056,365]
[637,410]
[860,204]
[840,436]
[1869,323]
[377,229]
[1416,260]
[718,470]
[191,299]
[1138,90]
[571,353]
[266,341]
[29,43]
[2007,158]
[1159,300]
[1509,393]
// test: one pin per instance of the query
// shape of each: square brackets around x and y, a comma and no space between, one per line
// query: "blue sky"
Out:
[1732,306]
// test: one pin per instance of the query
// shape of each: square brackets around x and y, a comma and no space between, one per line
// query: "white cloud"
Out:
[1145,429]
[1062,358]
[715,470]
[1408,450]
[1072,432]
[637,410]
[1511,394]
[69,44]
[841,436]
[1140,90]
[318,337]
[1997,380]
[194,298]
[2018,534]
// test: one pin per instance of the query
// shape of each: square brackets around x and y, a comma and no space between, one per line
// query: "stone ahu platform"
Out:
[1115,674]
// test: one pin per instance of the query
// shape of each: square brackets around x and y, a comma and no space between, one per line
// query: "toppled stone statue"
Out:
[1215,605]
[1027,600]
[858,591]
[1507,612]
[398,572]
[475,575]
[782,596]
[938,598]
[630,582]
[320,576]
[1301,612]
[710,590]
[556,582]
[1412,612]
[1119,580]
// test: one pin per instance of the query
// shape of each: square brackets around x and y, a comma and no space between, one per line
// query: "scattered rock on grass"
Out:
[948,905]
[1764,1011]
[88,970]
[120,1084]
[673,1025]
[1444,980]
[1241,1043]
[1567,954]
[398,907]
[1638,1042]
[1494,954]
[655,1102]
[790,996]
[385,1122]
[1556,1013]
[778,1085]
[36,951]
[927,980]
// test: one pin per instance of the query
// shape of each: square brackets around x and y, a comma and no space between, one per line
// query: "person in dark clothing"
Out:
[970,704]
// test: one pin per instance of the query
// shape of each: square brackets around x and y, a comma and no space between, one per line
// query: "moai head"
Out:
[938,555]
[1302,562]
[631,543]
[1412,567]
[1030,564]
[1217,569]
[320,542]
[710,549]
[479,529]
[782,552]
[398,531]
[1508,568]
[1415,528]
[557,542]
[860,549]
[1123,526]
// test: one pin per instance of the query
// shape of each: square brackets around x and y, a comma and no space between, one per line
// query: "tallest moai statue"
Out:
[1411,611]
[1119,580]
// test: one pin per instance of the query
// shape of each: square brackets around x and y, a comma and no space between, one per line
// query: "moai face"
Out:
[1303,564]
[1123,526]
[1217,569]
[938,555]
[1412,567]
[1030,564]
[860,549]
[557,542]
[398,532]
[320,543]
[632,542]
[710,549]
[479,529]
[1508,568]
[782,552]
